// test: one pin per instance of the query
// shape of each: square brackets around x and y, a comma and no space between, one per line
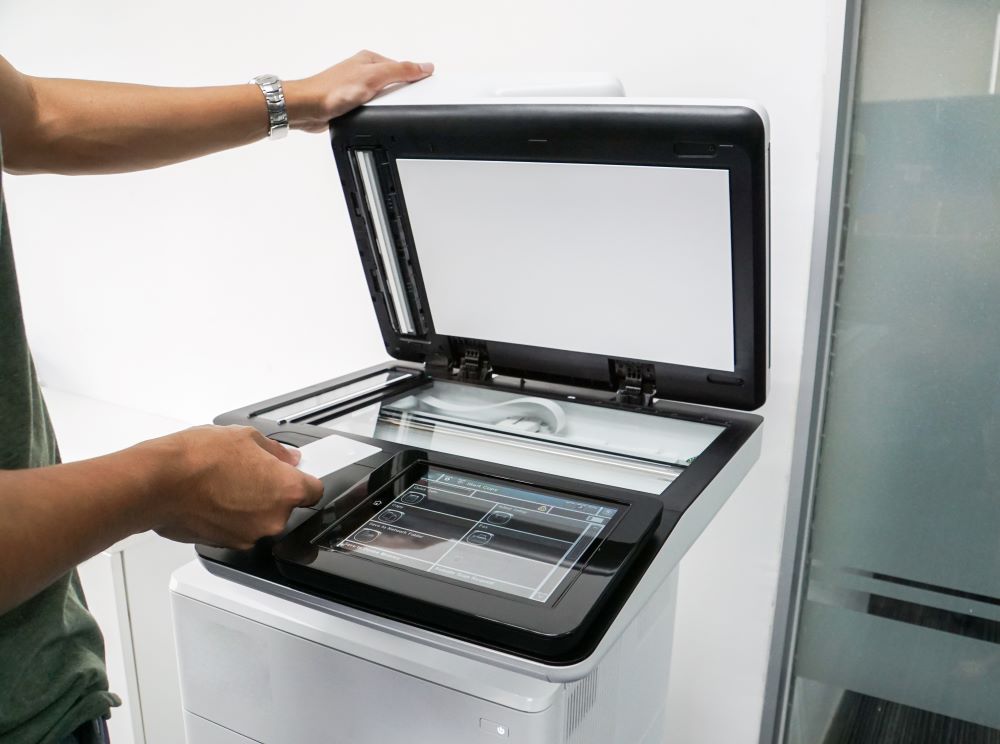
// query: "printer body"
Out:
[574,292]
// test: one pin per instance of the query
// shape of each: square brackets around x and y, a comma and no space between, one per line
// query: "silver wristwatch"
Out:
[274,96]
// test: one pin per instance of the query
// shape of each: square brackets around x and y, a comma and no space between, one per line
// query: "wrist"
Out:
[160,467]
[301,109]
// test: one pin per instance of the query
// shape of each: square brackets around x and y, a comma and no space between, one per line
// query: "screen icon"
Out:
[499,517]
[366,535]
[389,516]
[479,537]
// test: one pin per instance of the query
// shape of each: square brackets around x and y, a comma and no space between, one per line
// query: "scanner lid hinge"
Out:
[474,365]
[635,383]
[467,362]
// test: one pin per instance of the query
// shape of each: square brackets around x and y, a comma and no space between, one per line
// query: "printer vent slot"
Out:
[591,711]
[391,250]
[580,703]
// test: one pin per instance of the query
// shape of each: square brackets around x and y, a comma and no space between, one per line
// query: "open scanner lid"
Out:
[614,244]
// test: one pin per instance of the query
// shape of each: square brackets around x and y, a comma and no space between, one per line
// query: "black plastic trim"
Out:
[626,134]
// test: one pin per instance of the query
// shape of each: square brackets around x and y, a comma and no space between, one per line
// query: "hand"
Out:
[227,486]
[313,101]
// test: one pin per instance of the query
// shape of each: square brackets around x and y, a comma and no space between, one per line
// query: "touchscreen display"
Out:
[481,531]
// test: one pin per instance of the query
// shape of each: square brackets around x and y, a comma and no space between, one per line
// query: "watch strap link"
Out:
[274,96]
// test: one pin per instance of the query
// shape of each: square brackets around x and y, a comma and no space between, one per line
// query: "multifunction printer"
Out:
[574,294]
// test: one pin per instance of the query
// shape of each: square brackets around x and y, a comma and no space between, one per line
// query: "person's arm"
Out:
[220,485]
[53,125]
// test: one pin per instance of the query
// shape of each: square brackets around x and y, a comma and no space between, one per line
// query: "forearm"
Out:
[85,127]
[80,127]
[221,485]
[53,518]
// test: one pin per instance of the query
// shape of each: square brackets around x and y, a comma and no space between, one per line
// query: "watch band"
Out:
[274,96]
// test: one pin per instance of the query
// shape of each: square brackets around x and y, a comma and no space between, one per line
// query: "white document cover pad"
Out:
[566,255]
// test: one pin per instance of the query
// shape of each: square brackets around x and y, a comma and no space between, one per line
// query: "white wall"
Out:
[173,291]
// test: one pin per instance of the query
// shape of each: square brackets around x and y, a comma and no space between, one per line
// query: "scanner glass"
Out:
[585,442]
[513,539]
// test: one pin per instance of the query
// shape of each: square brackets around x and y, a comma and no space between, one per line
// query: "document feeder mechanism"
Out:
[575,296]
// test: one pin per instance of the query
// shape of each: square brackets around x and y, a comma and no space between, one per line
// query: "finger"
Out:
[387,73]
[286,454]
[314,491]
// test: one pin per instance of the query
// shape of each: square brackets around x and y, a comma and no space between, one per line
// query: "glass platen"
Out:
[601,445]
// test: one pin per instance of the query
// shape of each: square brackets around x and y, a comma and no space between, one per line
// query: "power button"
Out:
[492,727]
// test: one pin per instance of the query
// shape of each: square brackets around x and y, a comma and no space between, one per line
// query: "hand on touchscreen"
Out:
[228,486]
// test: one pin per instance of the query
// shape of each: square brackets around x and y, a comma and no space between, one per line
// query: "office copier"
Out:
[574,294]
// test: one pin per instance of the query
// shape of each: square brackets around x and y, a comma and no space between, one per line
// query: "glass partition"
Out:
[898,637]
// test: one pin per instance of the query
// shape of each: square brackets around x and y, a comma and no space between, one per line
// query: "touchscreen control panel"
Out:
[504,555]
[489,533]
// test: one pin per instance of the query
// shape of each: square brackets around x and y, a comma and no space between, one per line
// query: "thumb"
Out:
[289,455]
[314,490]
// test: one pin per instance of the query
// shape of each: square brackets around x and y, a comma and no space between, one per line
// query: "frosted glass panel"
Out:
[559,255]
[899,638]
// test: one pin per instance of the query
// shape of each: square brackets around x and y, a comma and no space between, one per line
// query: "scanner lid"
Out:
[613,244]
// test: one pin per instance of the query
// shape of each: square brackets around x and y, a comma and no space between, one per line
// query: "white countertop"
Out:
[87,427]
